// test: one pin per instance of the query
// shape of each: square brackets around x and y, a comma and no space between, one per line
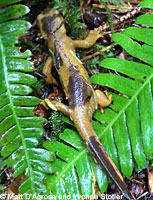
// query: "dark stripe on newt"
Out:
[58,59]
[103,160]
[79,91]
[48,23]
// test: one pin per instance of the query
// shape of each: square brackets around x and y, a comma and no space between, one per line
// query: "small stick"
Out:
[112,7]
[95,54]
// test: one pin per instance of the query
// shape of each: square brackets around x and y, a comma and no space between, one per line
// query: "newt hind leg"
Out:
[102,100]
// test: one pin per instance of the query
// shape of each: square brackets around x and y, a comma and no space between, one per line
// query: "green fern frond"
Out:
[134,117]
[126,127]
[146,4]
[74,167]
[20,130]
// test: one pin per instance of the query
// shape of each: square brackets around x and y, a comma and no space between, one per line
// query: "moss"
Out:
[71,11]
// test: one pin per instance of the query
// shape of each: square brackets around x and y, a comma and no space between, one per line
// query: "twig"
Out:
[95,54]
[112,7]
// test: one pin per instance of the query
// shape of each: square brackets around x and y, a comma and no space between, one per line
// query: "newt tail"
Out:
[102,158]
[82,99]
[99,153]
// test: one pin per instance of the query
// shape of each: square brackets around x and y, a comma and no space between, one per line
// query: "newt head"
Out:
[50,21]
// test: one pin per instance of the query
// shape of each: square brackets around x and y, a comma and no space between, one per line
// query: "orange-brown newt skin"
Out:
[81,98]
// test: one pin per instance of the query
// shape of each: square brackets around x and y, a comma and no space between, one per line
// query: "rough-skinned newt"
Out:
[82,99]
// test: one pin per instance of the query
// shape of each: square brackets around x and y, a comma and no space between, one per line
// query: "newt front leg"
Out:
[89,41]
